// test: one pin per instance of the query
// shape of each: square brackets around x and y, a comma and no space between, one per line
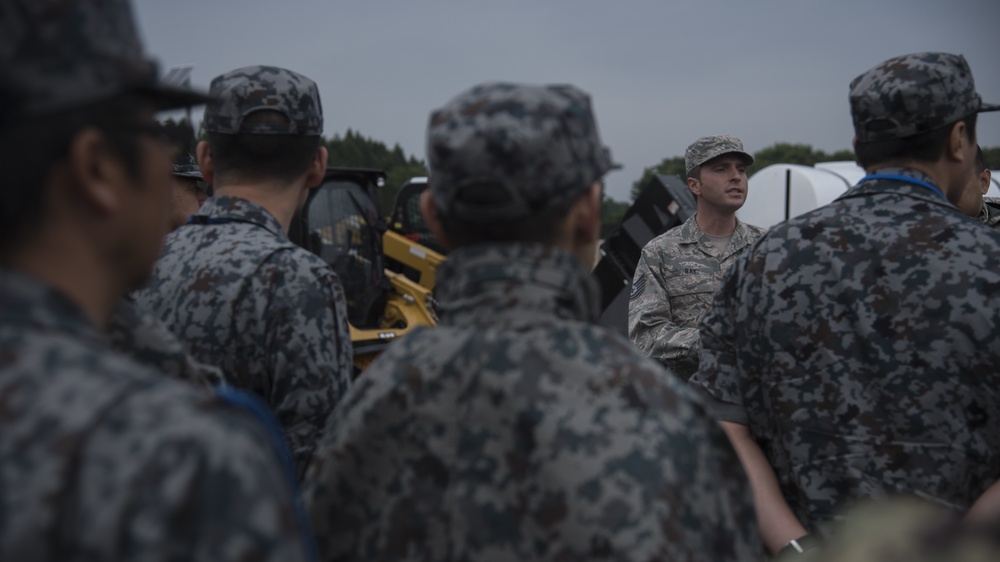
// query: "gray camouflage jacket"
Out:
[518,430]
[860,343]
[102,459]
[673,285]
[268,313]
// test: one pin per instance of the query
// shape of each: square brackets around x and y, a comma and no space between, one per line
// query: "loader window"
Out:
[343,219]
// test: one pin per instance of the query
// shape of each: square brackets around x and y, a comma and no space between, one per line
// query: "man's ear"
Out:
[318,168]
[694,185]
[958,143]
[431,219]
[205,162]
[97,171]
[984,180]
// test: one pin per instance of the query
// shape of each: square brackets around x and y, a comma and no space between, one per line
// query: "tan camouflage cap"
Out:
[57,55]
[500,152]
[912,94]
[706,148]
[245,90]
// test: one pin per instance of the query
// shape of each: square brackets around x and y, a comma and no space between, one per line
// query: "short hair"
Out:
[925,147]
[980,160]
[30,149]
[541,227]
[246,156]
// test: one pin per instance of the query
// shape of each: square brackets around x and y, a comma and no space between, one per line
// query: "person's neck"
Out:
[714,222]
[282,201]
[936,170]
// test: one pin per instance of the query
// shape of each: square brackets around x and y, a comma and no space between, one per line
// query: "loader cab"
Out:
[406,218]
[341,223]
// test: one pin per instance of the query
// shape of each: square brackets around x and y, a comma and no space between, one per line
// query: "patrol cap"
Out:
[912,94]
[249,89]
[57,55]
[501,152]
[186,167]
[706,148]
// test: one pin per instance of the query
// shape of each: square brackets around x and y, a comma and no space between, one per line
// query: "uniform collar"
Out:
[227,208]
[523,283]
[691,233]
[29,302]
[875,186]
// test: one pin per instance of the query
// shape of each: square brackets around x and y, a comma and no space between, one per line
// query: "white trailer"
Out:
[781,191]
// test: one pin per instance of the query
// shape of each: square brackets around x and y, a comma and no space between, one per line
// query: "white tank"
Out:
[781,191]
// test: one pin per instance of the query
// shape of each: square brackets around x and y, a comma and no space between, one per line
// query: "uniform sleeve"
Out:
[650,322]
[717,380]
[307,345]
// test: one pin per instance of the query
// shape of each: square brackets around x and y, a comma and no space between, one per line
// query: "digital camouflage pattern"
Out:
[272,316]
[103,459]
[990,213]
[674,282]
[61,54]
[501,152]
[185,166]
[860,342]
[706,148]
[135,333]
[518,429]
[912,94]
[245,90]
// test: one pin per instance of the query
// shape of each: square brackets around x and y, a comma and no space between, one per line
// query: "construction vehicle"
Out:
[663,203]
[341,223]
[389,274]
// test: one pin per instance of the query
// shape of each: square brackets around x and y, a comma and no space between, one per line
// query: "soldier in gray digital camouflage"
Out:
[679,270]
[519,429]
[852,352]
[231,284]
[102,458]
[974,203]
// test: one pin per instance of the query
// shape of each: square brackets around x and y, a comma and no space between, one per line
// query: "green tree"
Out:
[668,166]
[992,157]
[778,153]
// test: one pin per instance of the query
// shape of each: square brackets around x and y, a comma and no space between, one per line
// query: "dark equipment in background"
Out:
[665,202]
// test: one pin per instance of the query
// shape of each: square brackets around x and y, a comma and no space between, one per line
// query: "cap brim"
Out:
[986,107]
[173,97]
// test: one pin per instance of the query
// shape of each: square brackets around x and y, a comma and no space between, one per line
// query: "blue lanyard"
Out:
[907,179]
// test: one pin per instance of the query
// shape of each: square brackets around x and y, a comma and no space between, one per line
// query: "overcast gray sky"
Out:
[661,72]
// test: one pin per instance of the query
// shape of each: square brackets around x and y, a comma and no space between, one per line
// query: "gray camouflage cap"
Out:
[264,88]
[912,94]
[186,167]
[502,152]
[57,55]
[706,148]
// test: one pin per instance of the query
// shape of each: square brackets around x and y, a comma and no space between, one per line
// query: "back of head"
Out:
[267,122]
[65,66]
[903,108]
[507,161]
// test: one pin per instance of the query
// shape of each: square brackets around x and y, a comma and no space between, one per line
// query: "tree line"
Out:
[354,150]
